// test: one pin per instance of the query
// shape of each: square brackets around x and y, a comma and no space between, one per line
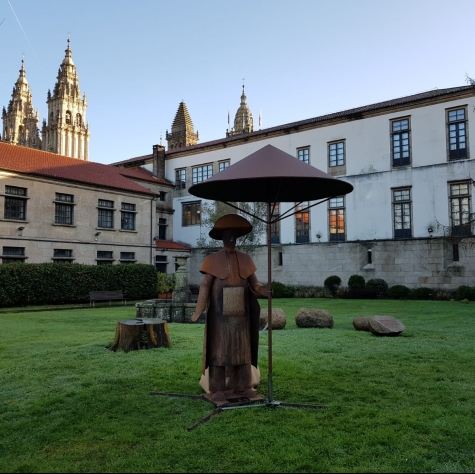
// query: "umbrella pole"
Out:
[269,303]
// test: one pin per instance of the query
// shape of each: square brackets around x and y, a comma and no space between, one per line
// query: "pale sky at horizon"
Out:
[136,60]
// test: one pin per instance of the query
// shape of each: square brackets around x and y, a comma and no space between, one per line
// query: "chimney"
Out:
[159,161]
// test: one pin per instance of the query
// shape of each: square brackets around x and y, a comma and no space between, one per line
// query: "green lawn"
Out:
[404,404]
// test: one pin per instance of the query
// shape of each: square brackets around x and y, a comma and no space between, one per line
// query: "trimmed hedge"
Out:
[332,283]
[356,282]
[465,292]
[379,285]
[55,283]
[399,292]
[422,293]
[280,290]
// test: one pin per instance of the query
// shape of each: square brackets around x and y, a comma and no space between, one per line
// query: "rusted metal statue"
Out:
[228,292]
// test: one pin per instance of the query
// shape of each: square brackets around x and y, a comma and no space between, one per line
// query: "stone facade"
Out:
[414,263]
[40,236]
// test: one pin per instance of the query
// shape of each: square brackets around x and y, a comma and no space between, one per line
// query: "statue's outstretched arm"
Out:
[257,287]
[203,296]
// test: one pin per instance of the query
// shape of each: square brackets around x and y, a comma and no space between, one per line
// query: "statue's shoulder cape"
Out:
[216,265]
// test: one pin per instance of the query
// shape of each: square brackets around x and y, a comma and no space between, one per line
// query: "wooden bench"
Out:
[106,296]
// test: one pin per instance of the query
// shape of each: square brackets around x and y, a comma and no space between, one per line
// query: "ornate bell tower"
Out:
[243,122]
[183,133]
[66,131]
[20,119]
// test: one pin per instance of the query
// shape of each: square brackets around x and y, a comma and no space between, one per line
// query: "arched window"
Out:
[51,117]
[68,117]
[78,120]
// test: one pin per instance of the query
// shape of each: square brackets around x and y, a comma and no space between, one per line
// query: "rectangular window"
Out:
[191,213]
[460,209]
[457,134]
[201,173]
[62,256]
[223,165]
[302,224]
[336,219]
[13,254]
[336,154]
[455,252]
[15,207]
[162,228]
[127,257]
[180,179]
[400,142]
[64,212]
[303,154]
[162,195]
[275,226]
[105,214]
[161,263]
[402,218]
[105,219]
[127,216]
[105,257]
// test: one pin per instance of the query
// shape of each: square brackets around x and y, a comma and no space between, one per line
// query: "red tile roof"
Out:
[136,159]
[143,174]
[171,245]
[42,163]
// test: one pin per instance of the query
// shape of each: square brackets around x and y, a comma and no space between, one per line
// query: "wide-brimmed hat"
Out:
[230,222]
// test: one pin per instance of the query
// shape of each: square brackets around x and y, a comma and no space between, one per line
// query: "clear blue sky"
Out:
[137,59]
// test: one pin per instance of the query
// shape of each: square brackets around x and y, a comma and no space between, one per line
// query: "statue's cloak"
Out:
[217,265]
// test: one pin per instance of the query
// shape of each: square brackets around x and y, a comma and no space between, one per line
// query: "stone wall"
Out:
[414,263]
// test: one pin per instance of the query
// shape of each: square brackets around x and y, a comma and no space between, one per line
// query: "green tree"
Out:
[212,211]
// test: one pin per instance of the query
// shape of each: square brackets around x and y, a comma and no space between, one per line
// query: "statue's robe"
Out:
[232,318]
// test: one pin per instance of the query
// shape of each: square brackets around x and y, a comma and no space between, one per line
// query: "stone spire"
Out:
[20,119]
[243,122]
[182,133]
[67,131]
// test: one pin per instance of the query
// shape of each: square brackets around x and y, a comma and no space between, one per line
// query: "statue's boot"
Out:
[247,393]
[218,397]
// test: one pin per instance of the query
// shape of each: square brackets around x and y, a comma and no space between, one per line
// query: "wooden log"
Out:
[157,333]
[136,334]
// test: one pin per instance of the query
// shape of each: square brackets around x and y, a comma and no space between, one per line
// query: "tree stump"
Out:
[136,334]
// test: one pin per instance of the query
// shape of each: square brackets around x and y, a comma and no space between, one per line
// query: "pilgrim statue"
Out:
[228,293]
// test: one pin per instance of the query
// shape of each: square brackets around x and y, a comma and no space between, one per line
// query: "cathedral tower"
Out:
[20,120]
[243,122]
[67,131]
[183,133]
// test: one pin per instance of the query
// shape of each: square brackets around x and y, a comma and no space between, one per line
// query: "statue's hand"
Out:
[264,291]
[195,316]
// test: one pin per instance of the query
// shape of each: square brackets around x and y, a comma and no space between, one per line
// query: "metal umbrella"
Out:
[272,176]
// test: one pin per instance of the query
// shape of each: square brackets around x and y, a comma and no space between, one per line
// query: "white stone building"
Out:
[409,219]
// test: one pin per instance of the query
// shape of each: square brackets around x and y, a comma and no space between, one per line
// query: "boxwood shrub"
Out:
[280,290]
[422,293]
[56,283]
[379,285]
[399,292]
[465,292]
[356,282]
[332,283]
